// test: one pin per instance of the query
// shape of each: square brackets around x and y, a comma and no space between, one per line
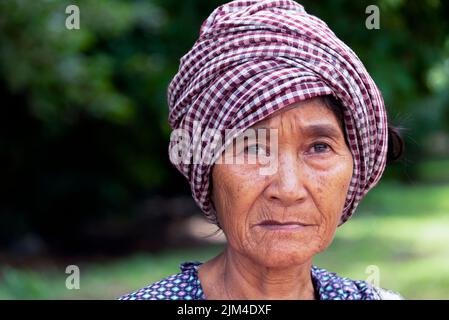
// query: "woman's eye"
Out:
[254,149]
[320,147]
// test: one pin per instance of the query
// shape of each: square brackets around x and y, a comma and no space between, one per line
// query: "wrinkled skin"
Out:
[305,196]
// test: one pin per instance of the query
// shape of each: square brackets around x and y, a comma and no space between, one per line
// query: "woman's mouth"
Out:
[273,225]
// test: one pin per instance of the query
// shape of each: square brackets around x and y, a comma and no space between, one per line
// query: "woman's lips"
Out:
[274,225]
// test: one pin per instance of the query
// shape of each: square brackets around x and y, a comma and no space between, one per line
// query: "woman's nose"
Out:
[287,184]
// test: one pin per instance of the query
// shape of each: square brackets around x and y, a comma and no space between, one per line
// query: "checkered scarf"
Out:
[253,58]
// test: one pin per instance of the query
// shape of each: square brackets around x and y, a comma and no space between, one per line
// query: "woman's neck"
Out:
[233,276]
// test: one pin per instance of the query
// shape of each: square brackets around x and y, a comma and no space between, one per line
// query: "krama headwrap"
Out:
[253,58]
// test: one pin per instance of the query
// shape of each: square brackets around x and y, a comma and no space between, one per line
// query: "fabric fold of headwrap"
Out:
[253,58]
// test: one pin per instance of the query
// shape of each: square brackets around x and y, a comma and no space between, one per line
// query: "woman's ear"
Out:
[396,144]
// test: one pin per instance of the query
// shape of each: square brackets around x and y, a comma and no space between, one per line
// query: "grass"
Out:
[401,230]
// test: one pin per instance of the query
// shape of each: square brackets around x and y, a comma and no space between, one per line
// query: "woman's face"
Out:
[286,217]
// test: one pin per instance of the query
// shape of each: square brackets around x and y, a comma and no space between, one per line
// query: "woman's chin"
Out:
[284,257]
[284,262]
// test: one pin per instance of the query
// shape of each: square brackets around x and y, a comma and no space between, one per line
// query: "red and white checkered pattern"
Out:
[255,57]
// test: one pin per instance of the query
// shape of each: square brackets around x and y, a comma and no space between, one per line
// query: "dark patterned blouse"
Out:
[328,286]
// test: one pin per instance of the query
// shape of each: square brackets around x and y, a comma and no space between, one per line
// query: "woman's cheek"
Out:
[335,175]
[236,189]
[328,189]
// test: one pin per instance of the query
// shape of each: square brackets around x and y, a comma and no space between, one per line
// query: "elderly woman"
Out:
[315,141]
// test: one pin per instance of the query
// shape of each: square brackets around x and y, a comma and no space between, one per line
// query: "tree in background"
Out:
[84,134]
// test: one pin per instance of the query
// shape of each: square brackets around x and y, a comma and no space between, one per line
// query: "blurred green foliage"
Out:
[84,131]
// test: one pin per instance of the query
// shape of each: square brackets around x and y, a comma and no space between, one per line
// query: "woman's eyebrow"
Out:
[313,130]
[322,130]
